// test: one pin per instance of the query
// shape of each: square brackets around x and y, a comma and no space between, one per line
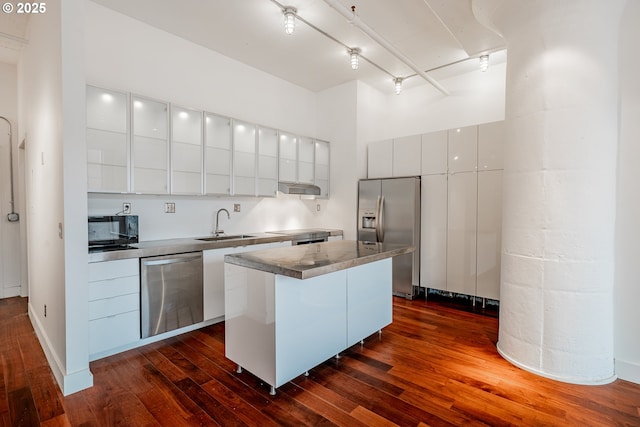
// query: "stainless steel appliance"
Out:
[112,231]
[389,212]
[171,292]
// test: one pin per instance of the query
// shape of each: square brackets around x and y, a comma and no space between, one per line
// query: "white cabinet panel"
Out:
[112,332]
[213,275]
[380,159]
[461,233]
[433,228]
[490,146]
[489,233]
[407,156]
[463,149]
[369,310]
[434,153]
[114,305]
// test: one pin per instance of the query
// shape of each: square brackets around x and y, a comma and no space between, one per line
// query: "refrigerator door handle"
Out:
[380,220]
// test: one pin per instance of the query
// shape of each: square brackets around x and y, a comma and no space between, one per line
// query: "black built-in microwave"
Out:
[112,231]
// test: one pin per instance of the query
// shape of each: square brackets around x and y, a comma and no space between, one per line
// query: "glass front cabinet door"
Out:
[267,162]
[150,146]
[186,151]
[244,158]
[217,155]
[322,167]
[107,141]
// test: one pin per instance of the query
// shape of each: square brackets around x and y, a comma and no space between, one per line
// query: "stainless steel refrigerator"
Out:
[389,212]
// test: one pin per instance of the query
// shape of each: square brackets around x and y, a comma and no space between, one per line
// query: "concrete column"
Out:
[559,196]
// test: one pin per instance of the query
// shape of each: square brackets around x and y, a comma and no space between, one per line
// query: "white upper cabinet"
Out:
[150,146]
[288,158]
[244,159]
[490,146]
[463,149]
[380,159]
[186,151]
[107,140]
[267,162]
[434,153]
[322,160]
[306,160]
[407,156]
[217,155]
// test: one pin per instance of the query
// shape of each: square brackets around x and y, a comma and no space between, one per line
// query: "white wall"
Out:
[475,98]
[337,122]
[11,283]
[51,118]
[627,268]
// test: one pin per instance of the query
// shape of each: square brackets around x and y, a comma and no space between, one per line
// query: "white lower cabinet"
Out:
[213,275]
[278,327]
[114,305]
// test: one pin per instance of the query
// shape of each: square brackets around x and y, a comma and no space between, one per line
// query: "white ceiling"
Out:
[431,33]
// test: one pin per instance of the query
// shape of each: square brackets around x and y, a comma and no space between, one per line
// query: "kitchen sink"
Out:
[230,237]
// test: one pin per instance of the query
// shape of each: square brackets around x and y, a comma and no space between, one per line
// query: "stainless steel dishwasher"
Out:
[171,292]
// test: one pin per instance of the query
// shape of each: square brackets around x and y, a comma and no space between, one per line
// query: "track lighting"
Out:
[289,19]
[354,54]
[398,83]
[484,63]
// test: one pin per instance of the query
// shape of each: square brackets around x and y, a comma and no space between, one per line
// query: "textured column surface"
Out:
[559,184]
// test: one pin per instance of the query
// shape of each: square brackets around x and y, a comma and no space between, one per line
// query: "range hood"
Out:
[300,189]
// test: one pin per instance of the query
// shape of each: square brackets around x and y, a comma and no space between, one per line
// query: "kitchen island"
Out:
[289,309]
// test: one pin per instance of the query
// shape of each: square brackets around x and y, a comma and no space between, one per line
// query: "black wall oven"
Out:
[112,231]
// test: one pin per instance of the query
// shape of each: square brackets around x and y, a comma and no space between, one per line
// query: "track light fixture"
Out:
[398,84]
[354,55]
[289,19]
[484,63]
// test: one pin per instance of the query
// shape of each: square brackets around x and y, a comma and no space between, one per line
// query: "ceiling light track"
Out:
[357,22]
[286,9]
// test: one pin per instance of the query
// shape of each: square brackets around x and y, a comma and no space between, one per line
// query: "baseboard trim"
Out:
[628,371]
[570,380]
[69,383]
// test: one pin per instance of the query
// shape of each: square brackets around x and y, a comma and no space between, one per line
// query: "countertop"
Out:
[193,244]
[305,261]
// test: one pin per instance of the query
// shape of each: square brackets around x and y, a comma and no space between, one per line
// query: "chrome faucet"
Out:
[217,231]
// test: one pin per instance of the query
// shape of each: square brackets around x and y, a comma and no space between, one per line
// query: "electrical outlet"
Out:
[126,208]
[236,207]
[318,207]
[170,208]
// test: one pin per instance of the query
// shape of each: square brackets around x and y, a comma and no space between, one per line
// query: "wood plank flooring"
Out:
[434,366]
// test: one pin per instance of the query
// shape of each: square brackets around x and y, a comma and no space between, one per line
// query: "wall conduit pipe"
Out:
[11,202]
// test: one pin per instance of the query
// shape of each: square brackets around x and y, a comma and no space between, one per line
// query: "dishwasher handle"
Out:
[171,260]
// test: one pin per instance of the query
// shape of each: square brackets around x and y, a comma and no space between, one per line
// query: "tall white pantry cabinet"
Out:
[461,203]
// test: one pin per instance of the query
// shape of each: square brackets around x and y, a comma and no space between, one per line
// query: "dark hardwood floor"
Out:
[434,366]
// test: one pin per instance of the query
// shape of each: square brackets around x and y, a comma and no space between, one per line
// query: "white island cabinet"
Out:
[289,309]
